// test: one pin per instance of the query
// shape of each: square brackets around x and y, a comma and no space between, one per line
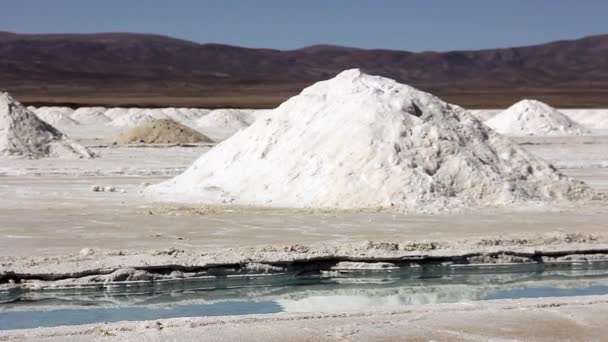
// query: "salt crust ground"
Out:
[515,324]
[360,141]
[546,320]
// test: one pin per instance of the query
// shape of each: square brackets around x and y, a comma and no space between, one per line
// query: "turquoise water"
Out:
[336,293]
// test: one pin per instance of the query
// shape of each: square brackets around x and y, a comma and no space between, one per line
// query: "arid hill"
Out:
[153,70]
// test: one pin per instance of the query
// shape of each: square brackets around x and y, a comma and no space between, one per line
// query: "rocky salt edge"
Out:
[95,266]
[361,141]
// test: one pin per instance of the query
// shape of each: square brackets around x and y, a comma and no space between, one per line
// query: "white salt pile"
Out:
[23,134]
[221,124]
[185,116]
[532,117]
[361,141]
[136,117]
[56,116]
[90,116]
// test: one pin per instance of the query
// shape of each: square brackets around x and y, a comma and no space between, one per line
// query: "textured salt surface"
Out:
[532,117]
[364,141]
[23,134]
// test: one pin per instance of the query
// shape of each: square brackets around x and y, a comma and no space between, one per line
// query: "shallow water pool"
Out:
[333,292]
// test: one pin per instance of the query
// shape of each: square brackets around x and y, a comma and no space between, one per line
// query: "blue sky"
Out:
[415,25]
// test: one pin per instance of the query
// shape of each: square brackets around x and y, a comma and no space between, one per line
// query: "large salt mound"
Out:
[161,132]
[532,117]
[220,124]
[23,134]
[359,141]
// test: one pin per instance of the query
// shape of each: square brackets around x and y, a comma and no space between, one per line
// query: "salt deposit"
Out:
[484,114]
[359,141]
[186,116]
[90,116]
[596,119]
[532,117]
[116,112]
[136,117]
[56,116]
[221,124]
[23,134]
[161,132]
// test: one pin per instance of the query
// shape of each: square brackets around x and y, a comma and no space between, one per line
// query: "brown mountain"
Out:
[145,69]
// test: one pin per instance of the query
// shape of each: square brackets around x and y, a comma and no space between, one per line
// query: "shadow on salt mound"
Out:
[24,135]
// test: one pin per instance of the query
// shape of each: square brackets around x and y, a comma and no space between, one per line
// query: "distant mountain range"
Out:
[154,70]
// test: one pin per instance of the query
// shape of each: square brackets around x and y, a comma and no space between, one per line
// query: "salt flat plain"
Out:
[48,215]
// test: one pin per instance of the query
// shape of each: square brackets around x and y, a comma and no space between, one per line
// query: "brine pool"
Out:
[333,292]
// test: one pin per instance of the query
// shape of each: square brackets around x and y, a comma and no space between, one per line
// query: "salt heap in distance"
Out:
[24,135]
[532,117]
[360,141]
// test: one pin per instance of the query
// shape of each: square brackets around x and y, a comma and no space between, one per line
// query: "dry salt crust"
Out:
[24,135]
[360,141]
[532,117]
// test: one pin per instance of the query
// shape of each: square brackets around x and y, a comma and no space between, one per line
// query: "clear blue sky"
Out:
[285,24]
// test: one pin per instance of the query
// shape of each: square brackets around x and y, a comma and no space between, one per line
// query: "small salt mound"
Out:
[161,132]
[56,116]
[221,124]
[254,114]
[361,141]
[186,116]
[136,117]
[532,117]
[23,134]
[116,112]
[90,116]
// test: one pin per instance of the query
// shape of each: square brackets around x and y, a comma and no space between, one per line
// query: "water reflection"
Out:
[336,293]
